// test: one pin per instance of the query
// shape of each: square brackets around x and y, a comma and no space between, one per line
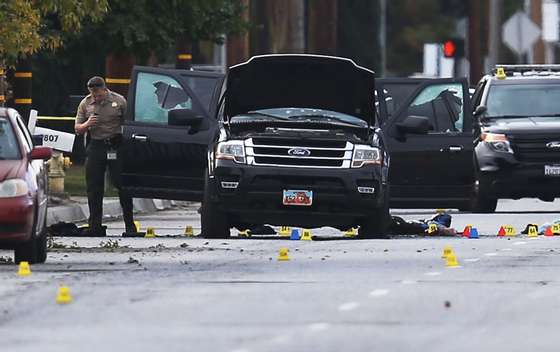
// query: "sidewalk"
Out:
[76,209]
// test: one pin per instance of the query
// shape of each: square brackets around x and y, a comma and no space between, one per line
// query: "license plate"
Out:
[552,170]
[111,155]
[297,197]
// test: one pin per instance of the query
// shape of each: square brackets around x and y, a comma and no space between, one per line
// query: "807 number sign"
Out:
[50,138]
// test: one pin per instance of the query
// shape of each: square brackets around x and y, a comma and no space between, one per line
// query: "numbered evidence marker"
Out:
[556,229]
[510,230]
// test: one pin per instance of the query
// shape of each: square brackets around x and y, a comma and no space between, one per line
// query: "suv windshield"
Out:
[9,148]
[523,100]
[306,113]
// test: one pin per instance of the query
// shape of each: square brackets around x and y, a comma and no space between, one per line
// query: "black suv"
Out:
[286,140]
[517,151]
[297,147]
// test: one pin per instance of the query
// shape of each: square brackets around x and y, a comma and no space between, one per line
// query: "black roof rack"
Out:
[511,69]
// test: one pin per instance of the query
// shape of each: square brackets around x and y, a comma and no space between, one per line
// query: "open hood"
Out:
[301,81]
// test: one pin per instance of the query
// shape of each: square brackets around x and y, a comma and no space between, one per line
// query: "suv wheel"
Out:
[377,224]
[214,221]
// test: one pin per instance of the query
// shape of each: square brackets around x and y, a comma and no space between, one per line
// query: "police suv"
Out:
[517,129]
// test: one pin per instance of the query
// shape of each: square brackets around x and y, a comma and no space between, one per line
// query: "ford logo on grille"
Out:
[553,145]
[299,152]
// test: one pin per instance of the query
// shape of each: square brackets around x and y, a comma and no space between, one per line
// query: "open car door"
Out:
[169,124]
[428,129]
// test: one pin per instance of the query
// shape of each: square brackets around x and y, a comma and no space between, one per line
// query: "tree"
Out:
[142,27]
[28,26]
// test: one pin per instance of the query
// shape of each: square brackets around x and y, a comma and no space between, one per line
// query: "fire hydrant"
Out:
[57,164]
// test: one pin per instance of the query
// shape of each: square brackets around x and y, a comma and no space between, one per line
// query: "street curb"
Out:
[111,209]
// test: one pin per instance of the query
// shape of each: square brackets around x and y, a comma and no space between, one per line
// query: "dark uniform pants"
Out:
[96,164]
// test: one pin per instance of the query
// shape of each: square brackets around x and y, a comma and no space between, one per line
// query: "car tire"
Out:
[27,252]
[41,245]
[377,224]
[214,221]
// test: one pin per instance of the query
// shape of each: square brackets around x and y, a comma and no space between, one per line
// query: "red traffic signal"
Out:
[449,48]
[453,48]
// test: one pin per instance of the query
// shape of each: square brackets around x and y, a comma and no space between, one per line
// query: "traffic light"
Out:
[454,48]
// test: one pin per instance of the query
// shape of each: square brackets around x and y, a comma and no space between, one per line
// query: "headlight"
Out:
[13,188]
[364,155]
[231,150]
[497,141]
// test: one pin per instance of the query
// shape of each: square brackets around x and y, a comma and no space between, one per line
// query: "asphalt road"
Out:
[192,294]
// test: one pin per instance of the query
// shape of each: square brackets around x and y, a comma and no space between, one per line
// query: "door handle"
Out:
[140,137]
[452,149]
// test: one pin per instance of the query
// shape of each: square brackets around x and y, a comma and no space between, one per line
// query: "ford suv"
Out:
[517,151]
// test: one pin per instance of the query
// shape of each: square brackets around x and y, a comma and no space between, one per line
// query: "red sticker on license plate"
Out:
[297,197]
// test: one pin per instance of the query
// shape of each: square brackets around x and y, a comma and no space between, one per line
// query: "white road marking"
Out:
[318,326]
[432,273]
[409,282]
[379,293]
[518,243]
[491,254]
[472,260]
[506,250]
[240,350]
[348,306]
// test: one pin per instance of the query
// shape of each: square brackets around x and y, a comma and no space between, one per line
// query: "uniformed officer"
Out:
[100,115]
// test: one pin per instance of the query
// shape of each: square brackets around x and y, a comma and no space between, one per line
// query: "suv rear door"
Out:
[435,168]
[166,157]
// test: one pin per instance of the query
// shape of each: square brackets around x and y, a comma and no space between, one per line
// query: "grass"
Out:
[75,183]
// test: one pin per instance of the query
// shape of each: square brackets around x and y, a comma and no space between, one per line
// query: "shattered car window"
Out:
[156,95]
[443,105]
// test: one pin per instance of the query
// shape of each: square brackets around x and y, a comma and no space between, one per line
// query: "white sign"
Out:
[435,64]
[32,121]
[56,139]
[550,21]
[520,33]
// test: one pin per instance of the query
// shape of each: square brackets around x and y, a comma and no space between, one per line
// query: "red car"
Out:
[23,190]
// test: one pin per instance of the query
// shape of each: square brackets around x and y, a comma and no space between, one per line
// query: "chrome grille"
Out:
[318,153]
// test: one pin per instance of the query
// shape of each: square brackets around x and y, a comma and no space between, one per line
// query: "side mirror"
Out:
[481,109]
[414,125]
[184,117]
[43,153]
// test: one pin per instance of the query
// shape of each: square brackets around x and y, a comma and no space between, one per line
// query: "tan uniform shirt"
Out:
[110,115]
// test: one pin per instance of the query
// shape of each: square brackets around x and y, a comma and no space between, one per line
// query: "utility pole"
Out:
[183,53]
[118,68]
[536,16]
[3,86]
[237,49]
[23,98]
[383,36]
[285,20]
[494,35]
[322,32]
[475,38]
